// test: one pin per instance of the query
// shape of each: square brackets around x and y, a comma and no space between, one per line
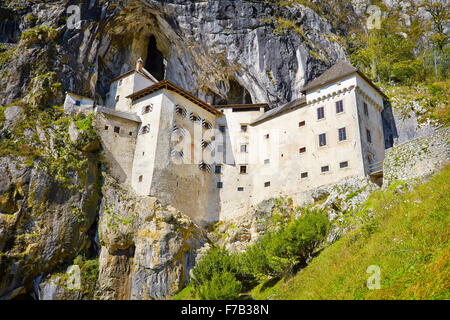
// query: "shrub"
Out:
[277,253]
[222,286]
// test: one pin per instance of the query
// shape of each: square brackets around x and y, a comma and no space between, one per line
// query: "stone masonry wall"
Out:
[417,158]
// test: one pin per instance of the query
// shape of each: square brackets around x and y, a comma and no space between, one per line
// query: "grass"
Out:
[408,239]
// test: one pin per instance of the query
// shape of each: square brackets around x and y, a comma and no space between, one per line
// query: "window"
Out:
[339,106]
[206,124]
[145,129]
[244,148]
[240,189]
[243,170]
[325,169]
[219,185]
[77,102]
[218,170]
[302,150]
[120,82]
[320,113]
[267,136]
[180,111]
[366,109]
[304,175]
[343,164]
[369,136]
[342,132]
[147,109]
[267,184]
[106,127]
[117,98]
[222,129]
[117,129]
[322,139]
[143,153]
[141,178]
[193,117]
[244,128]
[130,133]
[302,123]
[267,161]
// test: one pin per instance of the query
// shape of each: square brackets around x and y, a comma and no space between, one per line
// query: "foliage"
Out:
[40,34]
[221,275]
[408,238]
[222,286]
[278,253]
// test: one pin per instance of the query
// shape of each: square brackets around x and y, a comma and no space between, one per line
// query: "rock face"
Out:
[147,250]
[41,222]
[217,49]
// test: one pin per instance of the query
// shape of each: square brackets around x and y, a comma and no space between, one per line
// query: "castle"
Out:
[215,162]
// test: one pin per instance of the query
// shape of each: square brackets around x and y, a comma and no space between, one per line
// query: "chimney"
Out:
[139,64]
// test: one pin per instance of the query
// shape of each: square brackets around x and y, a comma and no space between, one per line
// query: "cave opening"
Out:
[238,94]
[155,60]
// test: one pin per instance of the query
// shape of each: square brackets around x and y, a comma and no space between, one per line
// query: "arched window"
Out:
[147,109]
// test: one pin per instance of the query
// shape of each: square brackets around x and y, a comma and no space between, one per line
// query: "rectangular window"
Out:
[267,161]
[320,113]
[366,109]
[219,185]
[322,139]
[325,169]
[240,189]
[244,148]
[343,164]
[130,133]
[243,170]
[78,103]
[106,127]
[267,184]
[339,106]
[342,134]
[117,129]
[117,98]
[120,82]
[369,136]
[222,129]
[267,136]
[244,128]
[141,178]
[302,150]
[302,123]
[218,169]
[304,175]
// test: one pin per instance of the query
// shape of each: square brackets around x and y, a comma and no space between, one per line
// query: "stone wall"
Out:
[417,158]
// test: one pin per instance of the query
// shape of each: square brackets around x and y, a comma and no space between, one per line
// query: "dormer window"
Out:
[147,109]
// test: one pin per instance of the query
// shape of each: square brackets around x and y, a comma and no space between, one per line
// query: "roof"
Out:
[241,106]
[126,74]
[340,70]
[120,114]
[78,96]
[166,84]
[297,103]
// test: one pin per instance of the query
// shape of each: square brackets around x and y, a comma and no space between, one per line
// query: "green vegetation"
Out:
[408,239]
[39,34]
[221,275]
